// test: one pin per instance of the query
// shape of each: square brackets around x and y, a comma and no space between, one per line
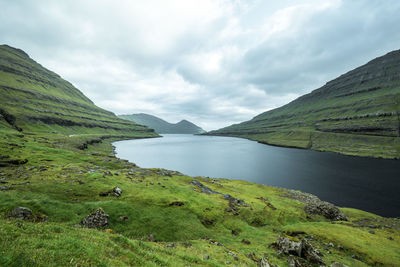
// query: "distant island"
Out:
[163,127]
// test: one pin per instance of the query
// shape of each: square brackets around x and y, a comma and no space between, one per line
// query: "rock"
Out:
[325,209]
[301,249]
[311,254]
[286,246]
[4,188]
[337,264]
[97,219]
[171,245]
[247,242]
[151,238]
[21,213]
[123,218]
[253,256]
[390,238]
[263,263]
[203,188]
[234,232]
[206,257]
[297,262]
[316,206]
[116,191]
[176,203]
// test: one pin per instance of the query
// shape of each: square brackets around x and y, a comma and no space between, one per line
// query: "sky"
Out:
[211,62]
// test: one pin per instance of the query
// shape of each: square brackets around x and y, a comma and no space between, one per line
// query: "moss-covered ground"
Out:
[63,182]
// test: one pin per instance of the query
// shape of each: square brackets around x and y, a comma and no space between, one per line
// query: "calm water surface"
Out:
[369,184]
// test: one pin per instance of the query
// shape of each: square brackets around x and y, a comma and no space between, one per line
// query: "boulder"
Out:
[4,188]
[297,262]
[302,249]
[97,219]
[313,205]
[21,213]
[325,209]
[263,263]
[287,246]
[116,191]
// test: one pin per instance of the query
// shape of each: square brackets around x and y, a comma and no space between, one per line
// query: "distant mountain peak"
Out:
[163,127]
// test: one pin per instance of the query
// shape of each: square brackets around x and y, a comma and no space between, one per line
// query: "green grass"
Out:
[54,167]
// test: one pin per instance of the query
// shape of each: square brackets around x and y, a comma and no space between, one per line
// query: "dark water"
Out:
[368,184]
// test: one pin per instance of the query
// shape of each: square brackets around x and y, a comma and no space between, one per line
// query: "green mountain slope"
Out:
[163,127]
[357,113]
[36,99]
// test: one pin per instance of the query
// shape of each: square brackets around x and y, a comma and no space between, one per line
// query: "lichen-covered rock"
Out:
[27,215]
[287,246]
[313,205]
[4,188]
[302,249]
[325,209]
[263,263]
[297,262]
[116,191]
[21,213]
[97,219]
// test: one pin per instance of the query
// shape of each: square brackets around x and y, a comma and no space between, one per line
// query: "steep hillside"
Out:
[34,99]
[163,127]
[357,113]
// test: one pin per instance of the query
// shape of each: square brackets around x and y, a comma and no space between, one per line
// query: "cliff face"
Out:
[163,127]
[33,98]
[358,109]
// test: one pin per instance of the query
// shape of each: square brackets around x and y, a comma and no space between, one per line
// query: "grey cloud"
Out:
[213,62]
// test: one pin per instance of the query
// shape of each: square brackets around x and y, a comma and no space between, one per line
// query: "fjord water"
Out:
[365,183]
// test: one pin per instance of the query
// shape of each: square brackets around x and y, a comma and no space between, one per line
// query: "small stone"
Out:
[4,188]
[234,232]
[170,245]
[97,219]
[247,242]
[151,238]
[390,238]
[123,218]
[371,232]
[206,257]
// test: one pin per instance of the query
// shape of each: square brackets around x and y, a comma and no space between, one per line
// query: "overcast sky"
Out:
[211,62]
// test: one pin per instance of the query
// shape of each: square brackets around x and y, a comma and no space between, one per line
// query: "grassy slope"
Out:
[63,182]
[161,126]
[49,184]
[355,114]
[36,99]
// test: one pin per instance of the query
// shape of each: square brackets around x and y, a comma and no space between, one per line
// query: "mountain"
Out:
[34,99]
[163,127]
[357,113]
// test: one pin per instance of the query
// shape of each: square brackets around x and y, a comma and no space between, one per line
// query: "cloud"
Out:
[212,62]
